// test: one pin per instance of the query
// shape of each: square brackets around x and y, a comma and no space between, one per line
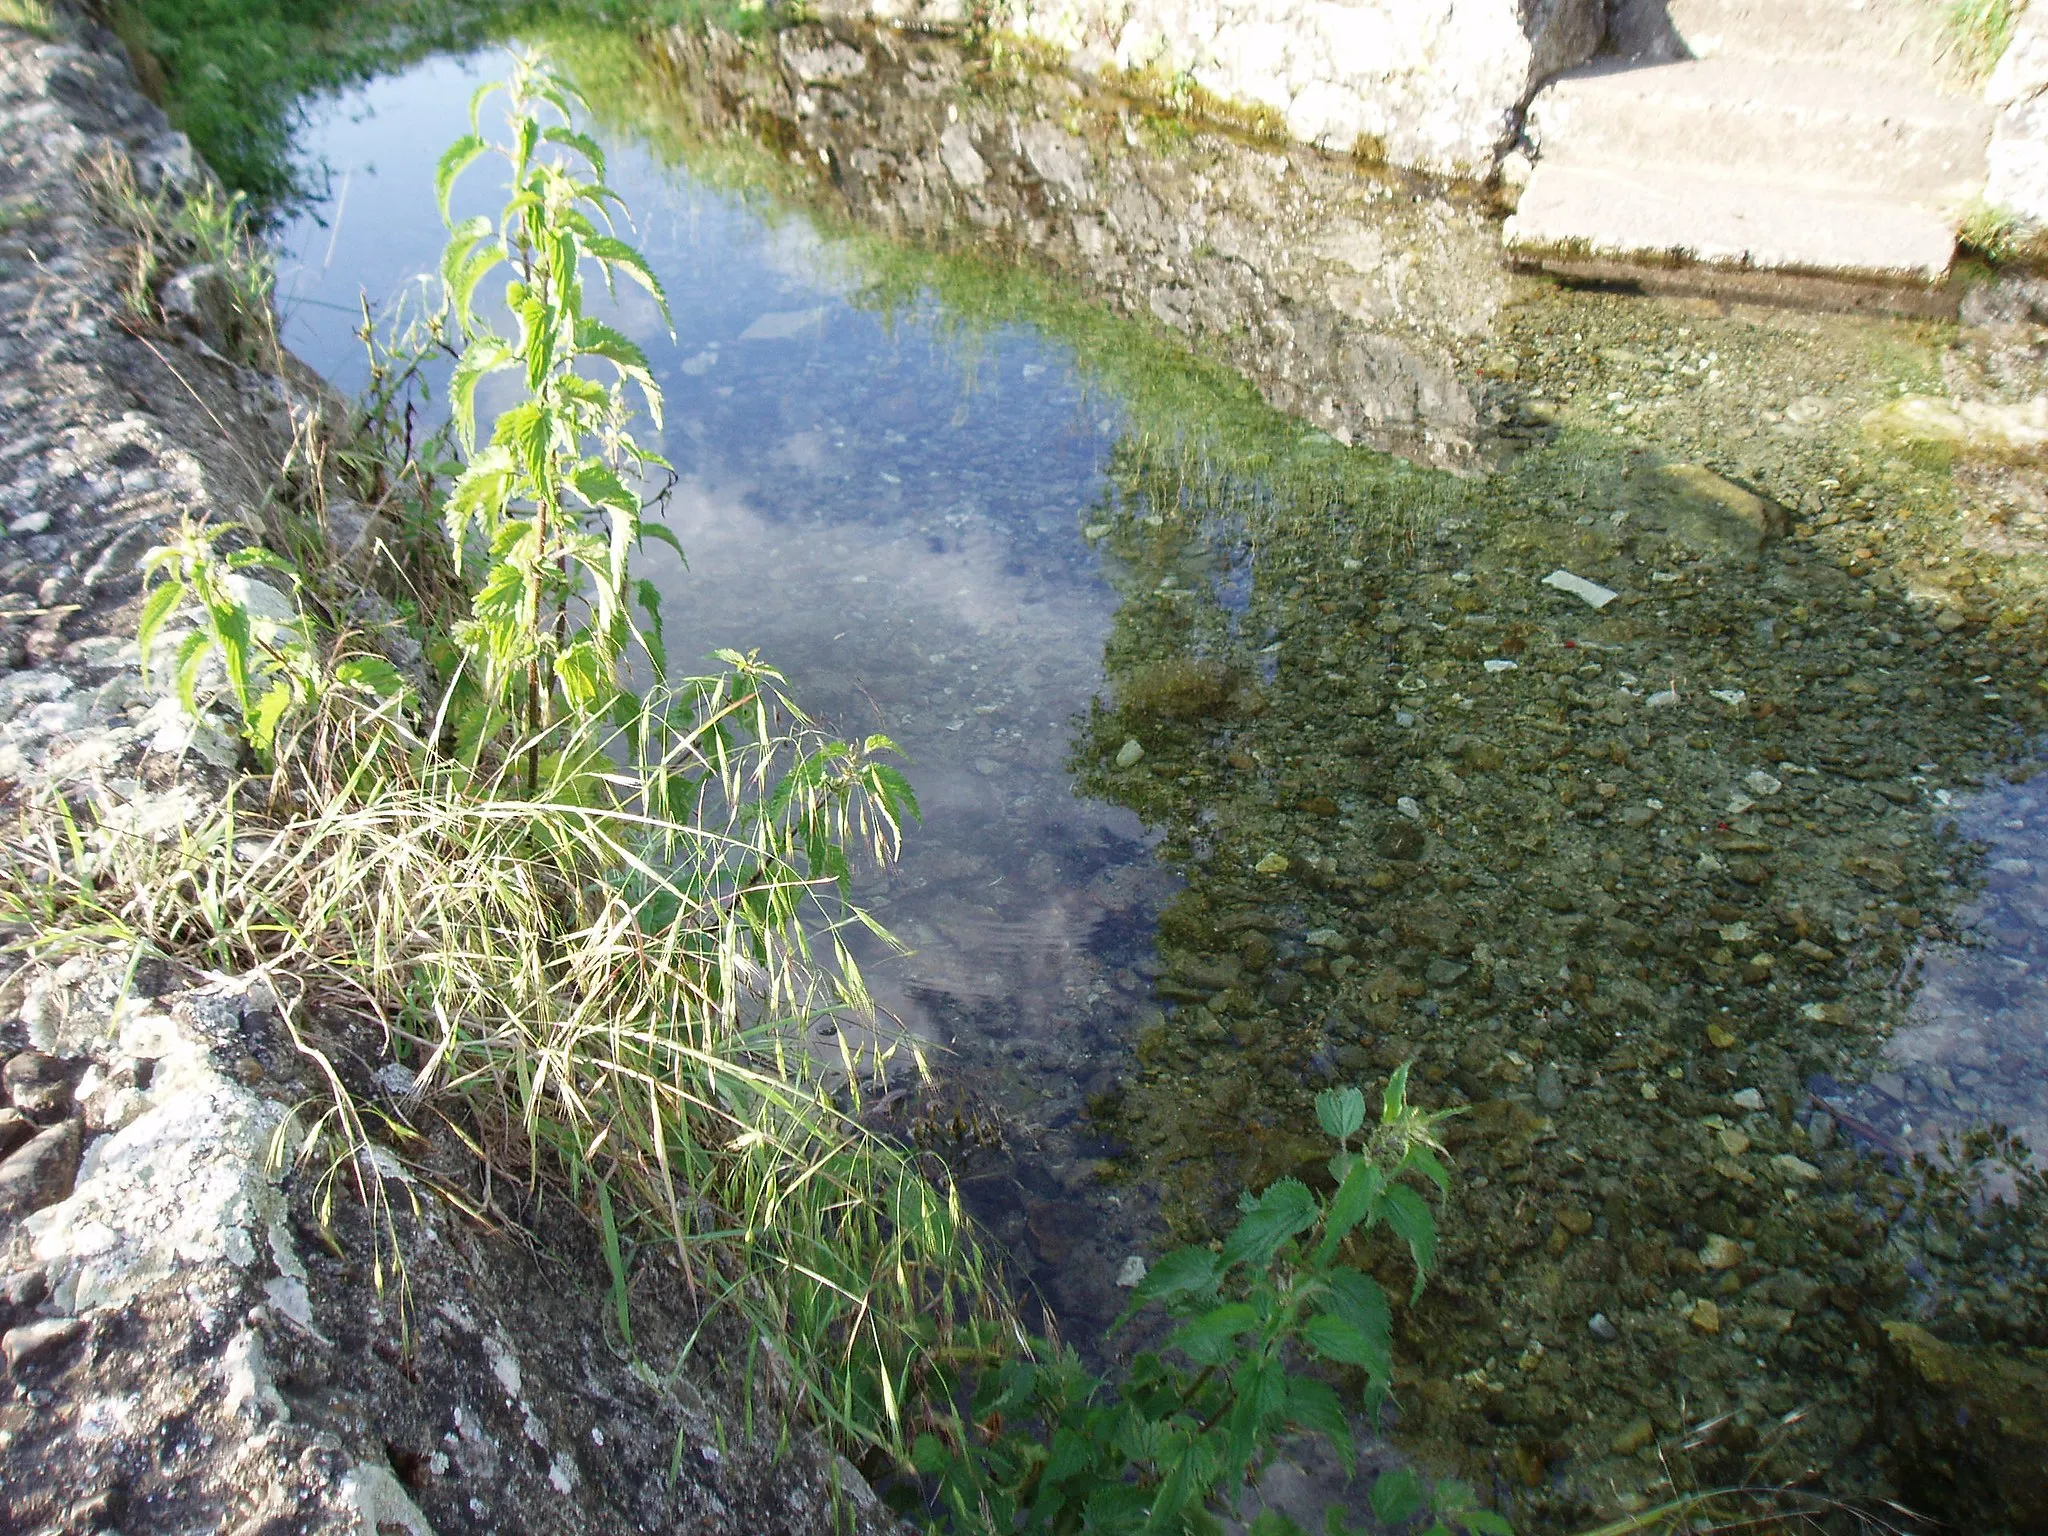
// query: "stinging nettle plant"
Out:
[552,495]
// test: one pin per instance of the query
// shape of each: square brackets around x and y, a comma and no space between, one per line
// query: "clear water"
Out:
[894,508]
[891,512]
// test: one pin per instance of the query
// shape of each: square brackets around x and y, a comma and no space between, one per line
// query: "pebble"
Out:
[1272,864]
[25,1287]
[1576,1221]
[1550,1091]
[1131,1273]
[1602,1329]
[1760,783]
[1408,806]
[1719,1252]
[1733,1142]
[1634,1435]
[1749,1099]
[1705,1316]
[40,1173]
[36,1341]
[1792,1167]
[1128,754]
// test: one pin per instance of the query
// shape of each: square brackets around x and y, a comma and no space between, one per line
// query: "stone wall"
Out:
[1342,297]
[1429,85]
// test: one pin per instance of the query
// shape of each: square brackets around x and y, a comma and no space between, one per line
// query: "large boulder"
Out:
[1431,85]
[1968,1430]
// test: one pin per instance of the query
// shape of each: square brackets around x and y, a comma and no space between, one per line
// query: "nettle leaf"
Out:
[1208,1339]
[1409,1215]
[455,159]
[615,252]
[582,143]
[484,356]
[1357,1200]
[1332,1338]
[1398,1495]
[267,715]
[1394,1102]
[160,605]
[1342,1113]
[374,675]
[1358,1299]
[1269,1220]
[1184,1272]
[1314,1405]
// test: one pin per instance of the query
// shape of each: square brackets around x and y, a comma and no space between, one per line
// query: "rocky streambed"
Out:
[1625,785]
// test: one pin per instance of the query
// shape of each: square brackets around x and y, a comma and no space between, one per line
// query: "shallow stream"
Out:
[1253,758]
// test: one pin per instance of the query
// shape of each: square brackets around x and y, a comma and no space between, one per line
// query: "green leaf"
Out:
[1268,1221]
[1398,1495]
[582,143]
[1207,1339]
[159,606]
[1184,1272]
[455,159]
[1356,1200]
[1484,1522]
[1313,1405]
[1394,1103]
[1271,1522]
[1409,1215]
[1342,1112]
[1332,1338]
[374,675]
[1358,1299]
[1424,1162]
[617,253]
[268,713]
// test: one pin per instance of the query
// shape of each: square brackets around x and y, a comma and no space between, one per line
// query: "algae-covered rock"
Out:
[1710,512]
[1968,1429]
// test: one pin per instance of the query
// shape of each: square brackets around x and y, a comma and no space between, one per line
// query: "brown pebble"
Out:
[1575,1221]
[1705,1316]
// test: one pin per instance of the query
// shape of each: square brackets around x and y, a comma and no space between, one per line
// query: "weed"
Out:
[1047,1446]
[32,16]
[1975,33]
[201,233]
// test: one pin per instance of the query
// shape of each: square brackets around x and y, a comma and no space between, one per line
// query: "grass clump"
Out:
[32,16]
[1975,33]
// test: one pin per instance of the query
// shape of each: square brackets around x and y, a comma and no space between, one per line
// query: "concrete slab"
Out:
[1651,217]
[1793,124]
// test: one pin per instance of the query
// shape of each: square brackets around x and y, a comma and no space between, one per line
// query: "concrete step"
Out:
[1596,217]
[1899,39]
[1797,125]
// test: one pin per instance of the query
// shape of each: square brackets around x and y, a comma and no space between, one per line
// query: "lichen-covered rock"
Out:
[1968,1429]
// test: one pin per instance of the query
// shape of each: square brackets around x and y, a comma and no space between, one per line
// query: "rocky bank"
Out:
[194,1338]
